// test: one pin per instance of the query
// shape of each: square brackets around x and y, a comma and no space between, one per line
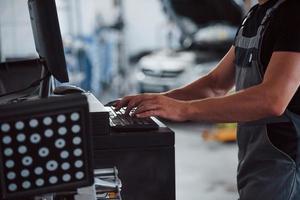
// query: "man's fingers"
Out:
[131,105]
[116,103]
[135,102]
[146,107]
[123,102]
[150,114]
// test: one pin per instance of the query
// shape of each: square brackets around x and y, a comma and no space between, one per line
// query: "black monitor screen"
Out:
[47,37]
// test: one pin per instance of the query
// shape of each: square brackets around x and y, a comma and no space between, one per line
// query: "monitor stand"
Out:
[45,83]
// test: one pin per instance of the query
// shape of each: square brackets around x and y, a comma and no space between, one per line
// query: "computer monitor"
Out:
[48,41]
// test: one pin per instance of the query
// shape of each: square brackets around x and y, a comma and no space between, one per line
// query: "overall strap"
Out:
[247,16]
[240,30]
[253,42]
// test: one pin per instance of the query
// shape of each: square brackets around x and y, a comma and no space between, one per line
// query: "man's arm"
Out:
[270,98]
[217,83]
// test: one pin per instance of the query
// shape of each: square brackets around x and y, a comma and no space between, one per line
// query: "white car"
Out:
[165,70]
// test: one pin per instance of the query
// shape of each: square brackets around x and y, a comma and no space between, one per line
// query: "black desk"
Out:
[145,160]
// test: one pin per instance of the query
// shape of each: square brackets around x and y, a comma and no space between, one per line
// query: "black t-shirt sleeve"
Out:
[288,28]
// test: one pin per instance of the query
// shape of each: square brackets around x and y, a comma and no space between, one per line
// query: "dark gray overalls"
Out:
[264,171]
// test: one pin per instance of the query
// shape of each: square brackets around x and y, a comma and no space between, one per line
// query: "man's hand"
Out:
[154,105]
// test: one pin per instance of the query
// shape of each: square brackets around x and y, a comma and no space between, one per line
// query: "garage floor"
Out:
[204,170]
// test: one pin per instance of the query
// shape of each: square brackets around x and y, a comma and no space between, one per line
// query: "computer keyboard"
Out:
[120,121]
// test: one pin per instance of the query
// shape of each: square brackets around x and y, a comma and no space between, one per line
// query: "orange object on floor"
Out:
[223,133]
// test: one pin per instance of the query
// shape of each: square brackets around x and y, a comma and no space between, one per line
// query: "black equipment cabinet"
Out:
[145,160]
[16,75]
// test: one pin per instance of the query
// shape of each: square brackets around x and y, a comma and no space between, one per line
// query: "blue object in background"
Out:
[93,62]
[86,67]
[79,62]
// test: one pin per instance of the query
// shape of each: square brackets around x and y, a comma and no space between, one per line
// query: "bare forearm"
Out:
[270,98]
[200,89]
[251,104]
[217,83]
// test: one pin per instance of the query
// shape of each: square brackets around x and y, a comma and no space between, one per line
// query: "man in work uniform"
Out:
[264,65]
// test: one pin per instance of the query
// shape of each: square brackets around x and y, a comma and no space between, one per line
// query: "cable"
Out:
[33,84]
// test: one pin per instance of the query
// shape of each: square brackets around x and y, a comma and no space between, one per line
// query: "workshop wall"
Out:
[15,31]
[79,17]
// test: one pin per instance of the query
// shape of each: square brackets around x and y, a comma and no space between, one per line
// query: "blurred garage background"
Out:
[119,47]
